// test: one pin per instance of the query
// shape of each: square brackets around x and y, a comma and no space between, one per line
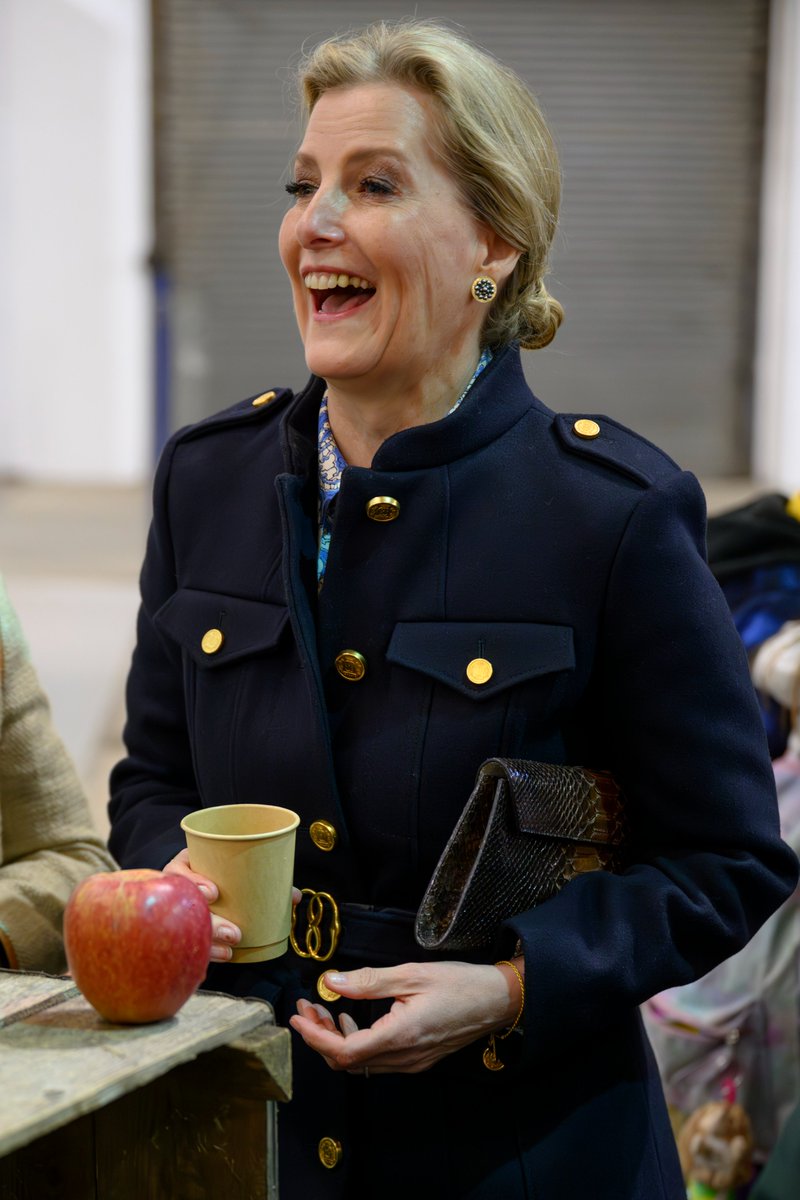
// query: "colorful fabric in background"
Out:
[754,552]
[332,464]
[740,1024]
[735,1034]
[776,673]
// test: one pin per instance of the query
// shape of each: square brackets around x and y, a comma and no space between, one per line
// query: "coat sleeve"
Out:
[48,840]
[677,719]
[154,786]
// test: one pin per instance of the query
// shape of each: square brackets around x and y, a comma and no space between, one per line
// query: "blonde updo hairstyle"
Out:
[493,140]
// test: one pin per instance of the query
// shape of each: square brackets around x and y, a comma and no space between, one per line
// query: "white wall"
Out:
[776,434]
[75,364]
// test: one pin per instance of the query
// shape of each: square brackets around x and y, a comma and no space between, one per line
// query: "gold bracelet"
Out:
[490,1059]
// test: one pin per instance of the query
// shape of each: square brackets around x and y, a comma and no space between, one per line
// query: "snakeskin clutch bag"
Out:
[528,828]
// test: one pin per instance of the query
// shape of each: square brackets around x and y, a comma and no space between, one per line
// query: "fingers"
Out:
[347,1024]
[315,1014]
[349,1048]
[224,936]
[353,1049]
[317,1017]
[345,1049]
[320,1016]
[180,865]
[437,1010]
[376,983]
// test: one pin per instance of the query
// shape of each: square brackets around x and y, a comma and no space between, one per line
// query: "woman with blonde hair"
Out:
[356,594]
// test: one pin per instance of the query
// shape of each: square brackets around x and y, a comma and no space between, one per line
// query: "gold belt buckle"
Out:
[315,912]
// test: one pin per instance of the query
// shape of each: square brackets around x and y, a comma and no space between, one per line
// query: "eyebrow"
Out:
[307,160]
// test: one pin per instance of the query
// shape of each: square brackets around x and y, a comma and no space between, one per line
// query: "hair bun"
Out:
[542,314]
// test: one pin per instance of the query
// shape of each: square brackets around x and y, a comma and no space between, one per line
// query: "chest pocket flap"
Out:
[215,629]
[480,660]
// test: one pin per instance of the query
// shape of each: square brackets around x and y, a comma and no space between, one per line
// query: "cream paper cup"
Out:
[248,851]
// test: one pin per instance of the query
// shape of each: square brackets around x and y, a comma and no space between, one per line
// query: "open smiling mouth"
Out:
[334,294]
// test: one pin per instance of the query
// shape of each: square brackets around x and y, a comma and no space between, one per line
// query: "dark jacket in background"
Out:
[576,568]
[754,553]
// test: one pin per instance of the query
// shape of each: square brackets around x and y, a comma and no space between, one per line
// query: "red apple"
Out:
[137,943]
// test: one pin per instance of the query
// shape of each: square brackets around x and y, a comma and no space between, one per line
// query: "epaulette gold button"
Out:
[212,641]
[263,399]
[586,428]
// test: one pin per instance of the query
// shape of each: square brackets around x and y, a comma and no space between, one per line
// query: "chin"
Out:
[331,364]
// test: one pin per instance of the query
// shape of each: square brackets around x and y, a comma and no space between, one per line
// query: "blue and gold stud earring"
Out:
[484,289]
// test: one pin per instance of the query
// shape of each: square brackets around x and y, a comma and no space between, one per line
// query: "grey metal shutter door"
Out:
[657,108]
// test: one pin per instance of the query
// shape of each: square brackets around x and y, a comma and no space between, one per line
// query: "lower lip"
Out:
[323,318]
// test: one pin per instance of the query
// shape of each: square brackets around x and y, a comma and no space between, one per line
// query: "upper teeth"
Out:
[320,281]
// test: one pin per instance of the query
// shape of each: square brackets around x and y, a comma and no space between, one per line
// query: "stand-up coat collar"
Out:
[498,399]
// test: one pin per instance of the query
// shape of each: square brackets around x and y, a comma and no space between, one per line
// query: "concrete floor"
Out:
[70,557]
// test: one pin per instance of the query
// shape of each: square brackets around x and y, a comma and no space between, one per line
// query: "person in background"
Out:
[47,839]
[354,595]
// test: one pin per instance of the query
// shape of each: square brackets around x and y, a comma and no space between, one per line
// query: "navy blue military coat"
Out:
[576,567]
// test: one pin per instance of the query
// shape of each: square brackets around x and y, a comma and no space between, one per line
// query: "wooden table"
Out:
[182,1109]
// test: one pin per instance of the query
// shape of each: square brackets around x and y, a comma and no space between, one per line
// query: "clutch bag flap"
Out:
[527,829]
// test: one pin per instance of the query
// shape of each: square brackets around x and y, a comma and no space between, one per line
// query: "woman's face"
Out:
[374,206]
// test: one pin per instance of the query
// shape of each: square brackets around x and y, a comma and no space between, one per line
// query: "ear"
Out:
[500,256]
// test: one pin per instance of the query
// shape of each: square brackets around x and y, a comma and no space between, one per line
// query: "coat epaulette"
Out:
[254,407]
[606,441]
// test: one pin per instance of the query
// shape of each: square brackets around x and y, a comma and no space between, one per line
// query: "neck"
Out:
[361,421]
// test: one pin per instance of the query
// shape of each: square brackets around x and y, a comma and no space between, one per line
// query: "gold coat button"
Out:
[480,670]
[383,508]
[323,834]
[324,991]
[212,641]
[351,665]
[330,1152]
[263,399]
[586,429]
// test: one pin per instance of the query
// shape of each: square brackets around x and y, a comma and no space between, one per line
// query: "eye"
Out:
[300,188]
[374,186]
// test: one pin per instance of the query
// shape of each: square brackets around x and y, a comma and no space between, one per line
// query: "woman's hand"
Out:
[438,1008]
[224,934]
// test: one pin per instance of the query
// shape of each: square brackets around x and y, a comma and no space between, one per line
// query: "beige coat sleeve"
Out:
[47,840]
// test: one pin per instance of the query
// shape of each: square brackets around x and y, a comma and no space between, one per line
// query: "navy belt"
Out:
[379,936]
[382,937]
[324,932]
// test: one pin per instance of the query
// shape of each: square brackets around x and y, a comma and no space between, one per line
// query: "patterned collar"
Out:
[331,464]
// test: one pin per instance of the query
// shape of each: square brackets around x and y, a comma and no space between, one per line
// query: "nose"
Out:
[322,219]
